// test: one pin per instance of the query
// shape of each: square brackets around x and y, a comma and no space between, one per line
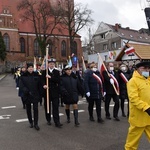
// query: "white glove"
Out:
[88,94]
[104,93]
[111,81]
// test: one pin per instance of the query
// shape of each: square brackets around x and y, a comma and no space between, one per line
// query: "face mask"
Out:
[145,74]
[123,68]
[94,69]
[111,68]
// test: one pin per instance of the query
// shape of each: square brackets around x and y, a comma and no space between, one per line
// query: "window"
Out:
[114,45]
[36,48]
[105,47]
[6,41]
[22,44]
[50,48]
[74,48]
[102,36]
[63,48]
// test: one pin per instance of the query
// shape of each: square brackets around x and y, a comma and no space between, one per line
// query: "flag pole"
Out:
[47,83]
[107,73]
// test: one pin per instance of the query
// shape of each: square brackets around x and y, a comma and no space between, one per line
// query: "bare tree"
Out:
[74,18]
[44,18]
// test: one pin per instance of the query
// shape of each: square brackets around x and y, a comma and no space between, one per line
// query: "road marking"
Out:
[8,107]
[26,119]
[5,116]
[79,111]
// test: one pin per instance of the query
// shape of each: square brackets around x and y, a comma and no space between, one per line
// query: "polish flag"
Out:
[129,50]
[110,55]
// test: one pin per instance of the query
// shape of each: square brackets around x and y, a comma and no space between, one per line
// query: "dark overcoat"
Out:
[30,87]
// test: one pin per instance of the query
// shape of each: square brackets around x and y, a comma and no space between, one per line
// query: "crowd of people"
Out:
[118,84]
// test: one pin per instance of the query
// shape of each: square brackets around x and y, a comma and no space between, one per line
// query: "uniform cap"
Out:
[143,64]
[51,60]
[29,65]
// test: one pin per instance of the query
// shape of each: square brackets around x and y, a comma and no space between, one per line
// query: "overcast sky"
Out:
[128,13]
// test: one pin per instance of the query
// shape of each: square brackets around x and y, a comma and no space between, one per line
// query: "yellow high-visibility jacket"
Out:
[138,89]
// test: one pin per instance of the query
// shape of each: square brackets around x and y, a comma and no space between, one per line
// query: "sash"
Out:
[123,77]
[116,82]
[99,81]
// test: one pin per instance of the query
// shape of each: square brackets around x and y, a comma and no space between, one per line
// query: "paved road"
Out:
[15,133]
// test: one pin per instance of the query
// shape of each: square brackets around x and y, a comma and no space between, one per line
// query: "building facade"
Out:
[20,39]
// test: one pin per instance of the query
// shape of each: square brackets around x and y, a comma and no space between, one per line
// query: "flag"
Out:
[43,66]
[70,62]
[78,68]
[110,55]
[129,50]
[83,65]
[34,66]
[102,67]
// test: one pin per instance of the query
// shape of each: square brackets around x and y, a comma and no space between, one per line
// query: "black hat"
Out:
[143,64]
[67,67]
[29,65]
[51,60]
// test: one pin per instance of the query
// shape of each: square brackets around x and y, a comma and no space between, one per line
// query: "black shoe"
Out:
[49,123]
[37,127]
[100,120]
[91,118]
[123,115]
[58,125]
[117,119]
[108,117]
[31,125]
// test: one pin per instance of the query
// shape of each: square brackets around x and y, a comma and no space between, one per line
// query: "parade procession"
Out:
[69,84]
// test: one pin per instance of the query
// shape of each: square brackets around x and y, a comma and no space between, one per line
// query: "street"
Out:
[15,133]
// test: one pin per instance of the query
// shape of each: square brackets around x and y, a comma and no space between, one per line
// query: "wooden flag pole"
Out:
[47,83]
[107,73]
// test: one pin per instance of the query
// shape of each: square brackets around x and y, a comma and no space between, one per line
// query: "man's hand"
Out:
[88,94]
[45,87]
[111,81]
[48,76]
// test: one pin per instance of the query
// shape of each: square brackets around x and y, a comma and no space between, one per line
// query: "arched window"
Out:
[74,48]
[6,41]
[63,48]
[36,48]
[50,48]
[22,44]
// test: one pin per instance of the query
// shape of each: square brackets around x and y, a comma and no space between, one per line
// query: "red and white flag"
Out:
[123,77]
[110,55]
[129,50]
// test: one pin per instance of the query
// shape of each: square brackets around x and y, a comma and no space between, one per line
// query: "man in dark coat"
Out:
[94,91]
[53,77]
[110,92]
[30,86]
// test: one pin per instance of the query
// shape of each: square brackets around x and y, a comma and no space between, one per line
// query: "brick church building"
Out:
[20,39]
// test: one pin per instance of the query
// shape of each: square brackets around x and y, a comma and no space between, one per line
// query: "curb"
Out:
[2,76]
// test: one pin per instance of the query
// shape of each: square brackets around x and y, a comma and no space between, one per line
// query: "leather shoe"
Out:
[49,123]
[108,117]
[100,120]
[37,127]
[31,125]
[58,125]
[92,118]
[117,119]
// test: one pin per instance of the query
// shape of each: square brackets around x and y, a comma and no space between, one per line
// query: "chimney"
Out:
[116,26]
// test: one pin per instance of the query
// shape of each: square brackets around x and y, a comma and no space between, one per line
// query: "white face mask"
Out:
[94,69]
[145,73]
[123,69]
[111,68]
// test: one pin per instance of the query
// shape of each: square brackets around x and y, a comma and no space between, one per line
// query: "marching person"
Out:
[70,88]
[30,85]
[124,76]
[54,84]
[110,79]
[94,91]
[139,102]
[20,93]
